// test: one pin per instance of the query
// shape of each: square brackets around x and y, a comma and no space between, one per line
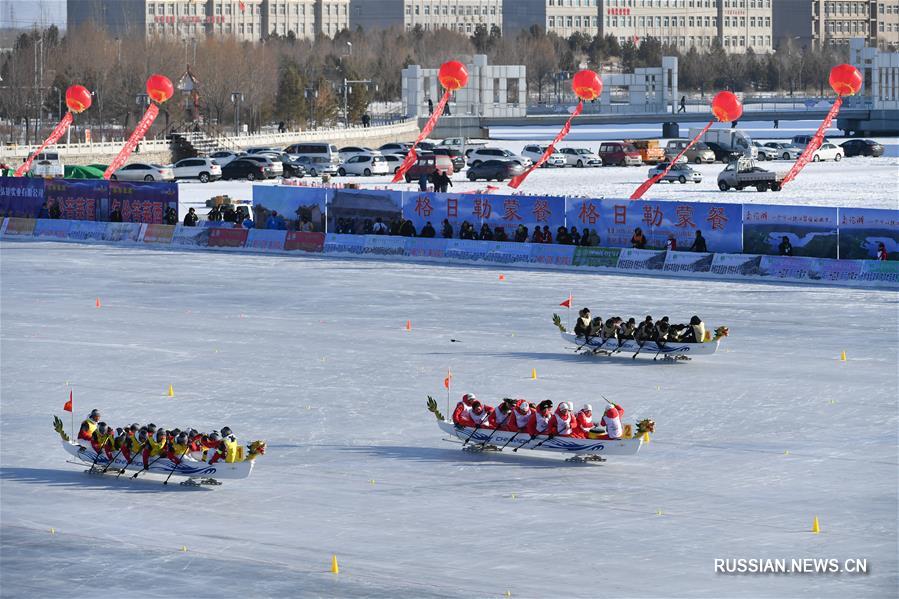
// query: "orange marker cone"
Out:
[408,325]
[335,569]
[502,277]
[98,302]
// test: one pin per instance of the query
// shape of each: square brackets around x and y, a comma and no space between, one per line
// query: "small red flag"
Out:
[566,303]
[448,379]
[68,406]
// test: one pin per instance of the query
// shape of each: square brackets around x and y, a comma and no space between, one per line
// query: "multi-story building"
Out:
[247,20]
[817,22]
[736,24]
[563,17]
[836,23]
[887,24]
[461,15]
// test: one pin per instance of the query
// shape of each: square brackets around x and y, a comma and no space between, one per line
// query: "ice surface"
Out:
[311,354]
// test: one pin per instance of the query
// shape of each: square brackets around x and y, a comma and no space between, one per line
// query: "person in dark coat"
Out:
[115,216]
[191,219]
[55,211]
[785,248]
[639,239]
[407,229]
[521,234]
[699,243]
[428,230]
[486,233]
[447,229]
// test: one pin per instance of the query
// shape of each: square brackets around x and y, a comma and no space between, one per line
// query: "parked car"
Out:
[317,165]
[862,147]
[580,157]
[223,157]
[291,168]
[764,152]
[680,172]
[455,156]
[426,146]
[480,154]
[697,154]
[734,140]
[393,162]
[428,164]
[395,148]
[204,169]
[619,153]
[250,170]
[649,149]
[140,171]
[349,151]
[743,172]
[786,151]
[494,169]
[47,164]
[262,150]
[802,140]
[271,161]
[364,164]
[534,153]
[315,150]
[827,151]
[723,154]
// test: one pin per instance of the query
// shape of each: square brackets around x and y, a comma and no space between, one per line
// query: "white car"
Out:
[393,162]
[580,157]
[363,164]
[47,164]
[478,155]
[828,151]
[223,157]
[140,171]
[350,151]
[535,153]
[204,169]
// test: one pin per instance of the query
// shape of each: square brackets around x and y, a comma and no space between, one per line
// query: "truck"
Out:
[461,144]
[744,173]
[730,139]
[650,150]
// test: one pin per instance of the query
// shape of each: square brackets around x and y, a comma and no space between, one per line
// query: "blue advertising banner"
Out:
[554,255]
[77,199]
[58,229]
[809,231]
[344,244]
[21,197]
[507,212]
[139,202]
[355,212]
[863,230]
[265,240]
[615,220]
[122,232]
[427,248]
[296,206]
[86,230]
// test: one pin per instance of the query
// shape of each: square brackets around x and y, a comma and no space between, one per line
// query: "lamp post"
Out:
[311,93]
[236,99]
[346,86]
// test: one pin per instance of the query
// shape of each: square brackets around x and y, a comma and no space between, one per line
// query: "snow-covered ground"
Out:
[311,354]
[852,182]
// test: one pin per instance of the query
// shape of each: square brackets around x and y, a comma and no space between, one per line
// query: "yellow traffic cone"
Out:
[335,569]
[843,356]
[645,437]
[816,528]
[533,374]
[171,391]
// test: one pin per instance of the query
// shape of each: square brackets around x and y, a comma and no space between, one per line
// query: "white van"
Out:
[729,139]
[314,150]
[47,164]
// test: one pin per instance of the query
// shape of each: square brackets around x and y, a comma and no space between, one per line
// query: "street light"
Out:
[312,93]
[236,99]
[346,82]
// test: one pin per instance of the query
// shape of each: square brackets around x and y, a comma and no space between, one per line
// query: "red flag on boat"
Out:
[567,303]
[448,379]
[68,406]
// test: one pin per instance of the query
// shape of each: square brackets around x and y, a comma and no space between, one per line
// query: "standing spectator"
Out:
[55,211]
[407,229]
[229,215]
[547,234]
[442,181]
[521,234]
[447,229]
[575,236]
[537,237]
[683,104]
[639,239]
[366,120]
[395,225]
[275,221]
[699,243]
[379,228]
[115,216]
[423,182]
[430,106]
[428,230]
[305,226]
[562,236]
[486,233]
[499,234]
[44,212]
[190,219]
[214,215]
[171,217]
[281,127]
[246,222]
[466,231]
[671,244]
[785,248]
[882,252]
[594,238]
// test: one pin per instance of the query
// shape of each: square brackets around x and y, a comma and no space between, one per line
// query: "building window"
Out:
[551,22]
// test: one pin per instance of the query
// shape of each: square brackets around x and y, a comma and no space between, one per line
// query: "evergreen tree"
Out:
[290,100]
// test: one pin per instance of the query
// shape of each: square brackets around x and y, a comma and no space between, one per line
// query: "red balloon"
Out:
[78,99]
[159,88]
[586,85]
[845,80]
[726,107]
[453,75]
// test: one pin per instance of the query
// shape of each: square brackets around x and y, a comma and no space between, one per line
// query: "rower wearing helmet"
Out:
[540,418]
[156,445]
[135,444]
[582,326]
[480,414]
[231,446]
[214,447]
[521,416]
[89,425]
[103,439]
[178,449]
[563,421]
[612,421]
[584,421]
[500,416]
[461,413]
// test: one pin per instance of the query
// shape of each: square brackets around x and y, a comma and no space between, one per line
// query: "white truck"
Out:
[729,139]
[744,173]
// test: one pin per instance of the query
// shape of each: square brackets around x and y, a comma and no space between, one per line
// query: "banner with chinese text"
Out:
[265,240]
[294,204]
[507,212]
[21,197]
[138,202]
[862,230]
[810,230]
[78,199]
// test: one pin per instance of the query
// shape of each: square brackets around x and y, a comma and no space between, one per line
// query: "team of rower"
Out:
[659,332]
[151,443]
[520,416]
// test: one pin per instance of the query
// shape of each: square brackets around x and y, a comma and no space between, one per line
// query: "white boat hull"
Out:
[650,348]
[570,445]
[164,466]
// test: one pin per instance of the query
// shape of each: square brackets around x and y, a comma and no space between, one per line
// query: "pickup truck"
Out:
[744,173]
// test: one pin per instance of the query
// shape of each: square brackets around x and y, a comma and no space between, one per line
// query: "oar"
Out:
[147,468]
[134,455]
[542,442]
[510,440]
[525,443]
[99,453]
[114,458]
[634,357]
[476,429]
[661,344]
[175,466]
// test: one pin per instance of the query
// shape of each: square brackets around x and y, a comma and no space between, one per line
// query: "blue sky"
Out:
[25,13]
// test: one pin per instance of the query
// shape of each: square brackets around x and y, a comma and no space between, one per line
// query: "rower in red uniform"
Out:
[521,415]
[539,422]
[584,422]
[563,421]
[460,414]
[480,414]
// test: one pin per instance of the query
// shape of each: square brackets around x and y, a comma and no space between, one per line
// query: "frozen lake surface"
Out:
[311,355]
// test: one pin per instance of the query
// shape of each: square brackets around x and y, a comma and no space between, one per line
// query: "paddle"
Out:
[476,429]
[112,461]
[134,455]
[175,466]
[510,440]
[542,442]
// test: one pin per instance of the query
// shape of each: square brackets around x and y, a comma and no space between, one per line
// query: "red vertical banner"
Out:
[814,144]
[138,134]
[519,179]
[638,193]
[412,156]
[52,139]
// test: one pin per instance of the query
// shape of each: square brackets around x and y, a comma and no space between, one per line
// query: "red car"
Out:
[619,153]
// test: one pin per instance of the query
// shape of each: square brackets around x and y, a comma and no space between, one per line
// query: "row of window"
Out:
[468,10]
[572,22]
[847,27]
[846,8]
[890,8]
[572,3]
[659,21]
[686,3]
[706,41]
